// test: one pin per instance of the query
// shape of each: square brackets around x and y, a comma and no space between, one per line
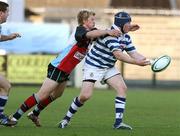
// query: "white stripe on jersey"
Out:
[101,54]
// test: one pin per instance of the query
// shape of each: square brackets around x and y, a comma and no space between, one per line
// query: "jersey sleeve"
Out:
[129,45]
[80,33]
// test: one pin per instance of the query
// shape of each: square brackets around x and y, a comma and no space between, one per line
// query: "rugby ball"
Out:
[160,63]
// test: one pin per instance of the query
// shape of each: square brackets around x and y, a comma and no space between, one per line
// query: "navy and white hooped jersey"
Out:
[101,54]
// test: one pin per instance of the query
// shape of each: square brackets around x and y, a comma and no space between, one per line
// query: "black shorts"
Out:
[56,74]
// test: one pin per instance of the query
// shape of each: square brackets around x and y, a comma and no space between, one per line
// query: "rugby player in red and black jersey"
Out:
[60,68]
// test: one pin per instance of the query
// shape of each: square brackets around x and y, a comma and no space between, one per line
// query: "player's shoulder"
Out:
[127,36]
[80,27]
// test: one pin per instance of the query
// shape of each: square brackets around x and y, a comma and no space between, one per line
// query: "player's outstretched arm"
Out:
[126,58]
[98,33]
[138,56]
[9,37]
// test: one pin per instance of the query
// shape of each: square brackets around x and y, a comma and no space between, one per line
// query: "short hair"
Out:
[84,15]
[3,6]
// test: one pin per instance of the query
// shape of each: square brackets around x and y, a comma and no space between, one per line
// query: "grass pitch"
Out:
[151,112]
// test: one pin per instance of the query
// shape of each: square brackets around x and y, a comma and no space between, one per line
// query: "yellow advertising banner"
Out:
[27,68]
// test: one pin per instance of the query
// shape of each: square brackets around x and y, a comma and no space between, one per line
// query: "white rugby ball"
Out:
[160,63]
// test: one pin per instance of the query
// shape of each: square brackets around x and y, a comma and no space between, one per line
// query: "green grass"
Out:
[151,112]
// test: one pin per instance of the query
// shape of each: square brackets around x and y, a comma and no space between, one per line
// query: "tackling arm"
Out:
[98,33]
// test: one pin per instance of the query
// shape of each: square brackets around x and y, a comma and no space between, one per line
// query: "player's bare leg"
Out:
[85,94]
[119,85]
[34,115]
[45,90]
[4,92]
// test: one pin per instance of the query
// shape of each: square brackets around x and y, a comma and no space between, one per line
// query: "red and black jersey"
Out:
[74,52]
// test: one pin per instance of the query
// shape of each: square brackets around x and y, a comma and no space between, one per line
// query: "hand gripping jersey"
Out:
[74,53]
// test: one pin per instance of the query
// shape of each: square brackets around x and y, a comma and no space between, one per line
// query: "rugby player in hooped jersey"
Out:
[60,68]
[99,65]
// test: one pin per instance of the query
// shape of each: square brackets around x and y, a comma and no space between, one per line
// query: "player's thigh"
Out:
[90,76]
[58,91]
[4,84]
[117,83]
[47,88]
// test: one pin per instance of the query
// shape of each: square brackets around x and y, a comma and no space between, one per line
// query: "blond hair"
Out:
[83,15]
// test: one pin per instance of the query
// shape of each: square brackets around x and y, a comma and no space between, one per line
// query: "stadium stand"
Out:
[69,4]
[159,32]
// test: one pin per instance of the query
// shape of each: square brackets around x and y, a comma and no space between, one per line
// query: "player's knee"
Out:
[122,91]
[55,96]
[124,88]
[7,87]
[41,96]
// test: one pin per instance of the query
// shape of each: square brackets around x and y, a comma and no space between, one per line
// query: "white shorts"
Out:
[97,74]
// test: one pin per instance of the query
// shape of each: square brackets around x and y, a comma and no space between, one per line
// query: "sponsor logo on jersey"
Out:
[91,74]
[79,56]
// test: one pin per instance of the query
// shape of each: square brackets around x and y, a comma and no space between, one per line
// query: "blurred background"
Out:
[45,26]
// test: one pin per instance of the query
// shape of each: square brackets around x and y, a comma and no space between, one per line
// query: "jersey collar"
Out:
[115,27]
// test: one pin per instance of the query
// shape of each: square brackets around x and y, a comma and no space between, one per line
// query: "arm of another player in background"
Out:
[9,37]
[98,33]
[128,59]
